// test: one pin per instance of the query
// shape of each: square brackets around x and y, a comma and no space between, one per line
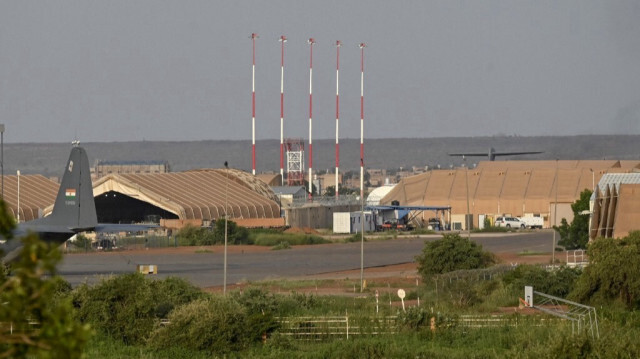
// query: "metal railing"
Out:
[326,328]
[582,317]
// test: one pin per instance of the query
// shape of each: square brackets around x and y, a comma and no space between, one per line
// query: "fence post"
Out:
[347,320]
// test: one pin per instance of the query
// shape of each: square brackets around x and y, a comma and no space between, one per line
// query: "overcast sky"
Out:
[126,70]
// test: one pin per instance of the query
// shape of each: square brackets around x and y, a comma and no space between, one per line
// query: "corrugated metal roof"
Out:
[498,188]
[36,193]
[615,179]
[199,194]
[131,162]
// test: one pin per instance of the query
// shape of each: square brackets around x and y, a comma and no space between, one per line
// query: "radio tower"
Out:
[253,37]
[311,41]
[362,46]
[338,44]
[282,40]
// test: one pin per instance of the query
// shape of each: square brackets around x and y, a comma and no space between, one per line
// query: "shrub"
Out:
[127,307]
[216,324]
[190,235]
[81,242]
[558,282]
[268,239]
[613,273]
[34,293]
[235,234]
[261,308]
[451,253]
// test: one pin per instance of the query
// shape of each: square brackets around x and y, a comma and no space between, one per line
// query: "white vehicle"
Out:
[509,222]
[533,222]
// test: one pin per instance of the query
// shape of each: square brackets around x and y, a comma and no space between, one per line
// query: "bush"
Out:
[81,242]
[190,235]
[558,283]
[35,294]
[270,240]
[128,306]
[261,308]
[451,253]
[235,234]
[216,324]
[613,273]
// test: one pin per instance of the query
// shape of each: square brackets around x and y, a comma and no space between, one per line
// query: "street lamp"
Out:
[593,180]
[466,178]
[18,196]
[2,157]
[555,219]
[226,191]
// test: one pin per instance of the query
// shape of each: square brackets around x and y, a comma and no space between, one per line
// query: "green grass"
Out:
[107,348]
[274,239]
[531,253]
[492,229]
[422,231]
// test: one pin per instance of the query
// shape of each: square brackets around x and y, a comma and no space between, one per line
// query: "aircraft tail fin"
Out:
[75,207]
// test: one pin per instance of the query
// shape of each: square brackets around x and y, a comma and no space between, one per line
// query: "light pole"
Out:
[311,41]
[555,218]
[253,38]
[2,156]
[226,191]
[18,196]
[466,178]
[593,180]
[362,46]
[282,40]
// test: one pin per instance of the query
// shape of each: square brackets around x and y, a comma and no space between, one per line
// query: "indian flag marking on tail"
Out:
[70,193]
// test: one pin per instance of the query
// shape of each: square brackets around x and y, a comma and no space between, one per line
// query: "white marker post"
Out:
[377,294]
[402,294]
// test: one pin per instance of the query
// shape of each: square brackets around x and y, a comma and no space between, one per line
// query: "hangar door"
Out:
[115,207]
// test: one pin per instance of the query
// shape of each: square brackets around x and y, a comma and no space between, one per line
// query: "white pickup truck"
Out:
[532,222]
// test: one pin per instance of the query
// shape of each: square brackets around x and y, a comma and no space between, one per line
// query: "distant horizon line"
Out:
[331,139]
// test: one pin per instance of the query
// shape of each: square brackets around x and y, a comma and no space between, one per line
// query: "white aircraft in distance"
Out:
[492,154]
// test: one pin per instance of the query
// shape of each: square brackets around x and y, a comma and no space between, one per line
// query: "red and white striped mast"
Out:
[253,37]
[362,46]
[282,40]
[311,41]
[338,44]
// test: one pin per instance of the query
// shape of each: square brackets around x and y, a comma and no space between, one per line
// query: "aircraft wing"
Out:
[516,153]
[116,227]
[484,154]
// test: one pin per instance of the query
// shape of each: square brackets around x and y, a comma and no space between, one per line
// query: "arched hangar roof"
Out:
[197,194]
[36,193]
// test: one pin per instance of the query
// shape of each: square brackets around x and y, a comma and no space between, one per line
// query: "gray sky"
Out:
[126,70]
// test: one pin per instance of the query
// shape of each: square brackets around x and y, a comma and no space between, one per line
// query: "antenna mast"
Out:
[362,46]
[311,41]
[253,38]
[338,44]
[282,40]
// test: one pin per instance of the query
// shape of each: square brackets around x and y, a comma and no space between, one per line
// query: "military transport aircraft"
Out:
[492,154]
[74,210]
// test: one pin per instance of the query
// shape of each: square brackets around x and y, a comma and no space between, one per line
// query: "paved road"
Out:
[206,269]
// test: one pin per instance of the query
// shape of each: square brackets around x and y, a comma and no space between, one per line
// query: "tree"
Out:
[331,191]
[34,304]
[451,253]
[613,272]
[576,234]
[235,234]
